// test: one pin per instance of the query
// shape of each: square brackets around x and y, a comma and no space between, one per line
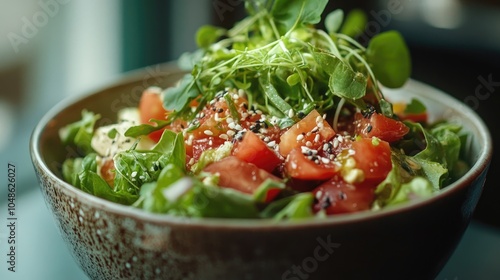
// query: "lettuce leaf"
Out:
[80,132]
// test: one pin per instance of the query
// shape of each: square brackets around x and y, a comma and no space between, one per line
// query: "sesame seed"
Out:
[229,120]
[291,113]
[191,161]
[325,160]
[230,133]
[133,174]
[325,147]
[241,92]
[236,96]
[315,129]
[232,125]
[319,119]
[271,144]
[319,194]
[267,139]
[224,136]
[335,143]
[309,144]
[208,132]
[238,127]
[300,137]
[316,138]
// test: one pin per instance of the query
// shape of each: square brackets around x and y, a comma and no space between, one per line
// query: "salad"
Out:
[275,119]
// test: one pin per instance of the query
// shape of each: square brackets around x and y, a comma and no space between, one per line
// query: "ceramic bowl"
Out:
[111,241]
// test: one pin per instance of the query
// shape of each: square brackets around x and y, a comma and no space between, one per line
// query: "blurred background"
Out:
[52,49]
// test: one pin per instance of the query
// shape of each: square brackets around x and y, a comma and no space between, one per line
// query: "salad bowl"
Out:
[111,241]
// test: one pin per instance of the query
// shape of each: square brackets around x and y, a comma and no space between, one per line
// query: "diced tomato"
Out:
[239,175]
[252,149]
[337,196]
[399,109]
[198,146]
[216,120]
[107,170]
[312,131]
[373,156]
[151,107]
[380,126]
[309,167]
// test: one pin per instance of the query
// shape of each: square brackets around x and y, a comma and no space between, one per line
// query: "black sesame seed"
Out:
[369,128]
[342,195]
[327,203]
[301,114]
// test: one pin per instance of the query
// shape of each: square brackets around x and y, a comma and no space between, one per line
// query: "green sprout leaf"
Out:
[355,23]
[390,59]
[333,21]
[343,82]
[208,34]
[290,13]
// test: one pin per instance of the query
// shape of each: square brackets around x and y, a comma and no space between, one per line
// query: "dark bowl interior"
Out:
[110,241]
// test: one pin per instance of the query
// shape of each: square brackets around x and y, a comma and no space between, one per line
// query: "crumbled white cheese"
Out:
[105,146]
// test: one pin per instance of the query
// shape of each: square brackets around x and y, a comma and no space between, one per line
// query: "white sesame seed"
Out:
[238,127]
[319,119]
[309,144]
[341,138]
[325,147]
[325,160]
[335,143]
[216,117]
[300,137]
[236,96]
[241,92]
[229,120]
[232,125]
[271,144]
[324,116]
[291,113]
[230,133]
[191,161]
[316,138]
[208,132]
[223,136]
[133,174]
[319,194]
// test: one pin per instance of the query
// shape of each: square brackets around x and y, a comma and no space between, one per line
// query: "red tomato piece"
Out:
[198,146]
[309,167]
[378,125]
[151,107]
[253,150]
[337,196]
[312,131]
[373,156]
[239,175]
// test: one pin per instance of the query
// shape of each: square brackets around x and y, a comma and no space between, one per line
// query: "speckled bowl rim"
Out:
[429,93]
